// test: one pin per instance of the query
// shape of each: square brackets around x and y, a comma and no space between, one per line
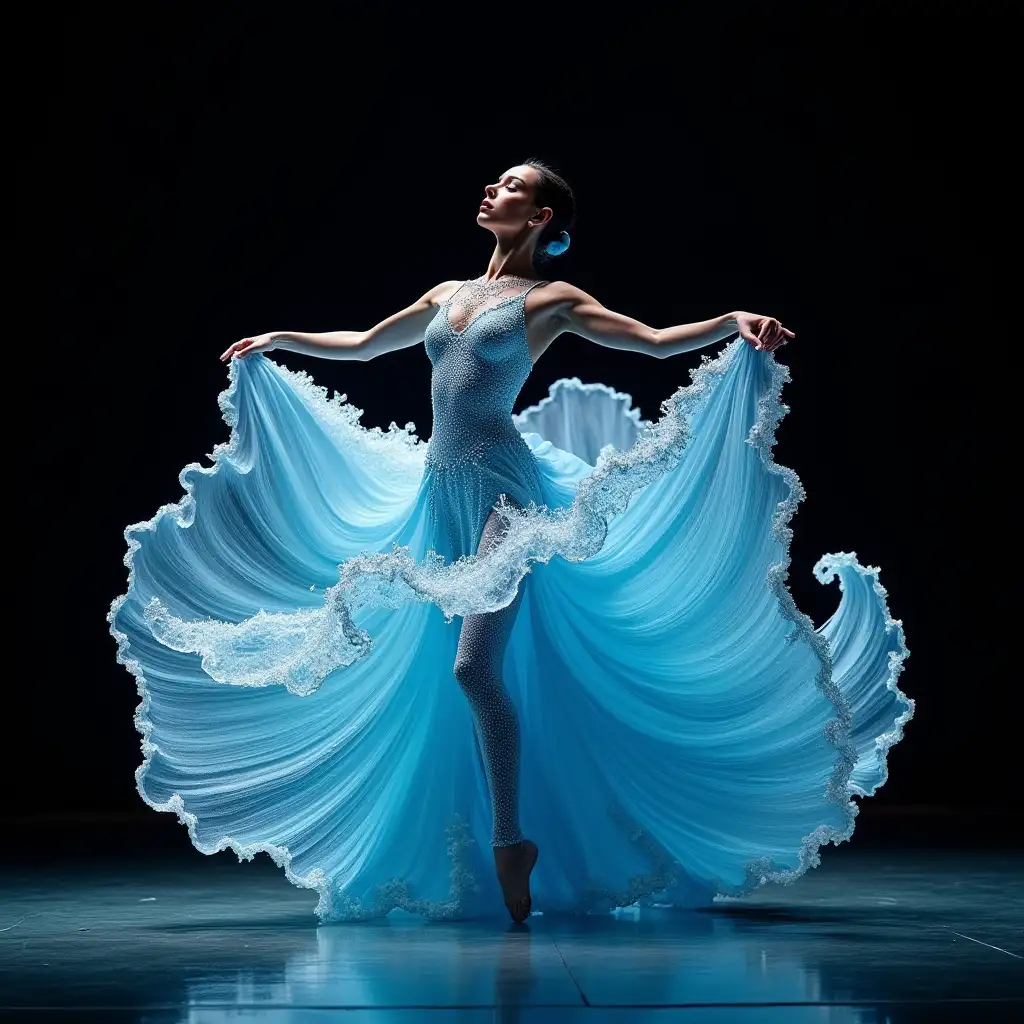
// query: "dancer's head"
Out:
[529,203]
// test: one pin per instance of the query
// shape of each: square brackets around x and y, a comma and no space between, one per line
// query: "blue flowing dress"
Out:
[686,731]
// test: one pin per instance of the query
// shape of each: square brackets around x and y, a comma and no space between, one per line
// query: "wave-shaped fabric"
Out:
[686,731]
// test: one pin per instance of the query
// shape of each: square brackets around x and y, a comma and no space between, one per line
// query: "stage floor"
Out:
[874,934]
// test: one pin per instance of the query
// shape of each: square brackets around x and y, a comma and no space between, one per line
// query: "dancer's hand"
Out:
[765,333]
[246,347]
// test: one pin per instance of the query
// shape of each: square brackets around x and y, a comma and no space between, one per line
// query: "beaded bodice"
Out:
[479,368]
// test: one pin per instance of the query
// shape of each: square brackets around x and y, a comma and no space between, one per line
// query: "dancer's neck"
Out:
[512,258]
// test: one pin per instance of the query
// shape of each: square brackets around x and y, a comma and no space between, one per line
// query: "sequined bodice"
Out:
[477,375]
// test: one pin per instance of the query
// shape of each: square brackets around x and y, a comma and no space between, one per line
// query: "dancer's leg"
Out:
[482,644]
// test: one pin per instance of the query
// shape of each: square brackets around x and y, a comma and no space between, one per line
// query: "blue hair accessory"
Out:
[558,245]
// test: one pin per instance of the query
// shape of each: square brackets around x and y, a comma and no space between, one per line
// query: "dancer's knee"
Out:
[473,673]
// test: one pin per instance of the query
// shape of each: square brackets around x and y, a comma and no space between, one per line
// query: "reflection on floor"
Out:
[875,934]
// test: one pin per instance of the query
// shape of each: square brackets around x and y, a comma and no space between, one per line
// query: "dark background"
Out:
[210,175]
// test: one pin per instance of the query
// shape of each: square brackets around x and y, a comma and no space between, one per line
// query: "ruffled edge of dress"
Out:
[183,512]
[530,414]
[608,490]
[829,568]
[399,446]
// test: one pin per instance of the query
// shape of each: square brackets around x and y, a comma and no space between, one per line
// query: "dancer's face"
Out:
[508,207]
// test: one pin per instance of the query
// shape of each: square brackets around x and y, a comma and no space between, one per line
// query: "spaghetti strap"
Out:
[448,301]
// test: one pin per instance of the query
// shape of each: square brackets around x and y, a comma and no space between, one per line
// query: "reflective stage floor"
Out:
[877,933]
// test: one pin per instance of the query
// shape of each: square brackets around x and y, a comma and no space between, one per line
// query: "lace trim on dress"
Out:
[476,297]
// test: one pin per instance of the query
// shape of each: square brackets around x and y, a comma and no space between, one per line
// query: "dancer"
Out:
[678,727]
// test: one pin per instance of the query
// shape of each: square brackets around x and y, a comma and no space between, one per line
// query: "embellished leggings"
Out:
[482,643]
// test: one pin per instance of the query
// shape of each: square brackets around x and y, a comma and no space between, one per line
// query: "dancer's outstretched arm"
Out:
[400,330]
[573,310]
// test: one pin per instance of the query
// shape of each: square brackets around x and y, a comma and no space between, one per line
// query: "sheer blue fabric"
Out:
[686,731]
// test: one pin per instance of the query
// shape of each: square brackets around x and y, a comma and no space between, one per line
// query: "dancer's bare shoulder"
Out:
[548,310]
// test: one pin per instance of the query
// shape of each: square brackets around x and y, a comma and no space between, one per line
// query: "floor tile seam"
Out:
[981,942]
[568,970]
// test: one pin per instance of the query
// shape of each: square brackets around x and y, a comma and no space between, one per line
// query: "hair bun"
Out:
[558,245]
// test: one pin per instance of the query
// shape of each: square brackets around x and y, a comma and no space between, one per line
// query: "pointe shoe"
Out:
[514,878]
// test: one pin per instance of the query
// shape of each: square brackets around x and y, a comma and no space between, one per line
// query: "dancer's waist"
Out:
[480,447]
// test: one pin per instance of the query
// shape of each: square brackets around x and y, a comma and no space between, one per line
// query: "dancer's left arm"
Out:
[579,313]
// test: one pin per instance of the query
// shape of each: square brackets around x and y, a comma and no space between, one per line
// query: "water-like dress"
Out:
[686,731]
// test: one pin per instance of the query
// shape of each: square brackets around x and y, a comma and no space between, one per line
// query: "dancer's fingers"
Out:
[237,348]
[748,335]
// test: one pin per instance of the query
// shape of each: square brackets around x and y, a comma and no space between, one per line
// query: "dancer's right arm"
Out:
[400,330]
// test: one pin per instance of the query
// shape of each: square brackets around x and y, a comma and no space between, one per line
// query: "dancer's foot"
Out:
[514,864]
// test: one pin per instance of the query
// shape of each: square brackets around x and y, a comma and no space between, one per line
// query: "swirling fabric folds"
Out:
[686,731]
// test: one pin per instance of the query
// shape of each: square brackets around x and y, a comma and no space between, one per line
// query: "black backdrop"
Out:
[208,175]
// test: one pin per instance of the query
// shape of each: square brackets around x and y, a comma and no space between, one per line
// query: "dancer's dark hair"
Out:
[554,191]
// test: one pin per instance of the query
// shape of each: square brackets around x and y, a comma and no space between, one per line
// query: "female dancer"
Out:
[480,476]
[527,209]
